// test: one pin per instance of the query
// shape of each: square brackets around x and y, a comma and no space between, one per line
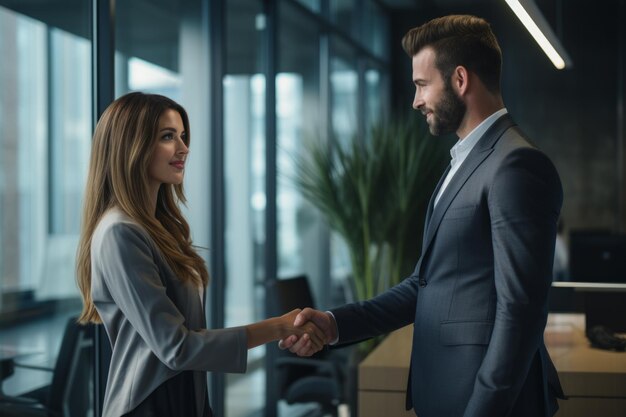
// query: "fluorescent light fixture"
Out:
[532,18]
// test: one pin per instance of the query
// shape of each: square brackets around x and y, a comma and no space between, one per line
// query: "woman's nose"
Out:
[182,148]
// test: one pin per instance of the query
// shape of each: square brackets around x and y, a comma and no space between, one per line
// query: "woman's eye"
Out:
[168,136]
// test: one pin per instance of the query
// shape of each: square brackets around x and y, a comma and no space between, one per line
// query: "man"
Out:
[478,295]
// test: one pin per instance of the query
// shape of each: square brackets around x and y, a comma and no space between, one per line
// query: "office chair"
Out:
[318,379]
[69,393]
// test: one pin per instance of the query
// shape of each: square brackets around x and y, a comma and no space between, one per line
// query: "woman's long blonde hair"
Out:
[124,140]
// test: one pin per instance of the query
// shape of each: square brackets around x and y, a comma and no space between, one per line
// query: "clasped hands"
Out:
[312,329]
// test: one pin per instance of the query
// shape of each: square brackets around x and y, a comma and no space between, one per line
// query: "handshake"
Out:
[305,332]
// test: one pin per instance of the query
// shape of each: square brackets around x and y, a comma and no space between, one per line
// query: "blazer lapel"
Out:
[480,152]
[431,204]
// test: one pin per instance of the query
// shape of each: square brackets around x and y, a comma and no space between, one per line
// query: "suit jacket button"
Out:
[422,282]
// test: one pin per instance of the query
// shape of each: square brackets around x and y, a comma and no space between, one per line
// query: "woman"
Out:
[139,274]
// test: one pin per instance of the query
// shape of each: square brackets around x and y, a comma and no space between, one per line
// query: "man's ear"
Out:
[460,80]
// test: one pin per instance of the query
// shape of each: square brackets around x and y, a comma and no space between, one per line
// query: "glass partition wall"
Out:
[244,118]
[258,79]
[299,118]
[45,120]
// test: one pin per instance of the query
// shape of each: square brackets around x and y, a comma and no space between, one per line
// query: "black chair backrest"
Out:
[71,377]
[297,382]
[289,294]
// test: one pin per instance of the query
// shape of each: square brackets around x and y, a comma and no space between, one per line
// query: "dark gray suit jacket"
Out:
[478,295]
[155,322]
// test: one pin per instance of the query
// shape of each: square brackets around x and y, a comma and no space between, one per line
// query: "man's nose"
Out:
[417,102]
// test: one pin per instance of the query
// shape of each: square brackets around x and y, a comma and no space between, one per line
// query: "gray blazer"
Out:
[155,322]
[478,295]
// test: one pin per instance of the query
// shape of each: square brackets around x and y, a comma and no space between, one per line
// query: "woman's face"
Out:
[168,160]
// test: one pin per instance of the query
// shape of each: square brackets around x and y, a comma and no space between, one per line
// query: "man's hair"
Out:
[459,40]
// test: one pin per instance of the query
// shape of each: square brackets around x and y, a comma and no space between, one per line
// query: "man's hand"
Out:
[311,336]
[301,345]
[275,328]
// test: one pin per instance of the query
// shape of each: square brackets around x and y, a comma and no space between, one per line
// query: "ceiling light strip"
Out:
[531,17]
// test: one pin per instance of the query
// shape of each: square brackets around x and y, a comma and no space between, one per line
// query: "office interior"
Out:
[260,78]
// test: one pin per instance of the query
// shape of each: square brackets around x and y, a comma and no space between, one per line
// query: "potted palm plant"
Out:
[374,194]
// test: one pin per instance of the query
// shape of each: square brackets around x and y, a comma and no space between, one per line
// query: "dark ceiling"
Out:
[150,29]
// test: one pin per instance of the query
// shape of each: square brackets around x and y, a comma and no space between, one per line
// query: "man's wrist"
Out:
[333,326]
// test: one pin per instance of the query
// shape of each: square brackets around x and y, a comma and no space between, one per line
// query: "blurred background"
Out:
[260,79]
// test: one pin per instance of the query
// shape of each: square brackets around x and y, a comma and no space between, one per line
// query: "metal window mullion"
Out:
[50,133]
[620,125]
[325,112]
[270,9]
[102,54]
[215,15]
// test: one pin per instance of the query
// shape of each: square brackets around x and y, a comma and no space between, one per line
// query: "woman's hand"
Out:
[275,328]
[324,321]
[311,337]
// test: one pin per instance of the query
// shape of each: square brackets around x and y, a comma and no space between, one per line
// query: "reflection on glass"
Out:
[244,92]
[244,164]
[311,4]
[244,134]
[289,120]
[343,14]
[45,148]
[45,119]
[344,122]
[24,147]
[375,97]
[375,29]
[71,125]
[149,78]
[297,120]
[344,96]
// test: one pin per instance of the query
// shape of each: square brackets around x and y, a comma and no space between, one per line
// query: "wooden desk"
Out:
[594,380]
[383,376]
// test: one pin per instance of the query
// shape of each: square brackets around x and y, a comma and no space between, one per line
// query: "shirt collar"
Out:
[463,146]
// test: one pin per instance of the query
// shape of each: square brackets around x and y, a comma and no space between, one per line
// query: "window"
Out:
[344,84]
[45,114]
[298,119]
[244,118]
[163,47]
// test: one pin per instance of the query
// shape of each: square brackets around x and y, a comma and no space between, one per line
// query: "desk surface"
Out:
[583,370]
[578,364]
[8,352]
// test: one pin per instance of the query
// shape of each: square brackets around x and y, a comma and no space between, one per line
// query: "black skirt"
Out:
[173,398]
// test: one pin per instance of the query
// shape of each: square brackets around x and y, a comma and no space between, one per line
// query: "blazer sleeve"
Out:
[524,204]
[132,278]
[382,314]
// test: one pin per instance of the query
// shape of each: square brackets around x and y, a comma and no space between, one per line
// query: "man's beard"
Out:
[448,113]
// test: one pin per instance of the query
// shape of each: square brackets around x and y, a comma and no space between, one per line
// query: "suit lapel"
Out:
[481,151]
[431,204]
